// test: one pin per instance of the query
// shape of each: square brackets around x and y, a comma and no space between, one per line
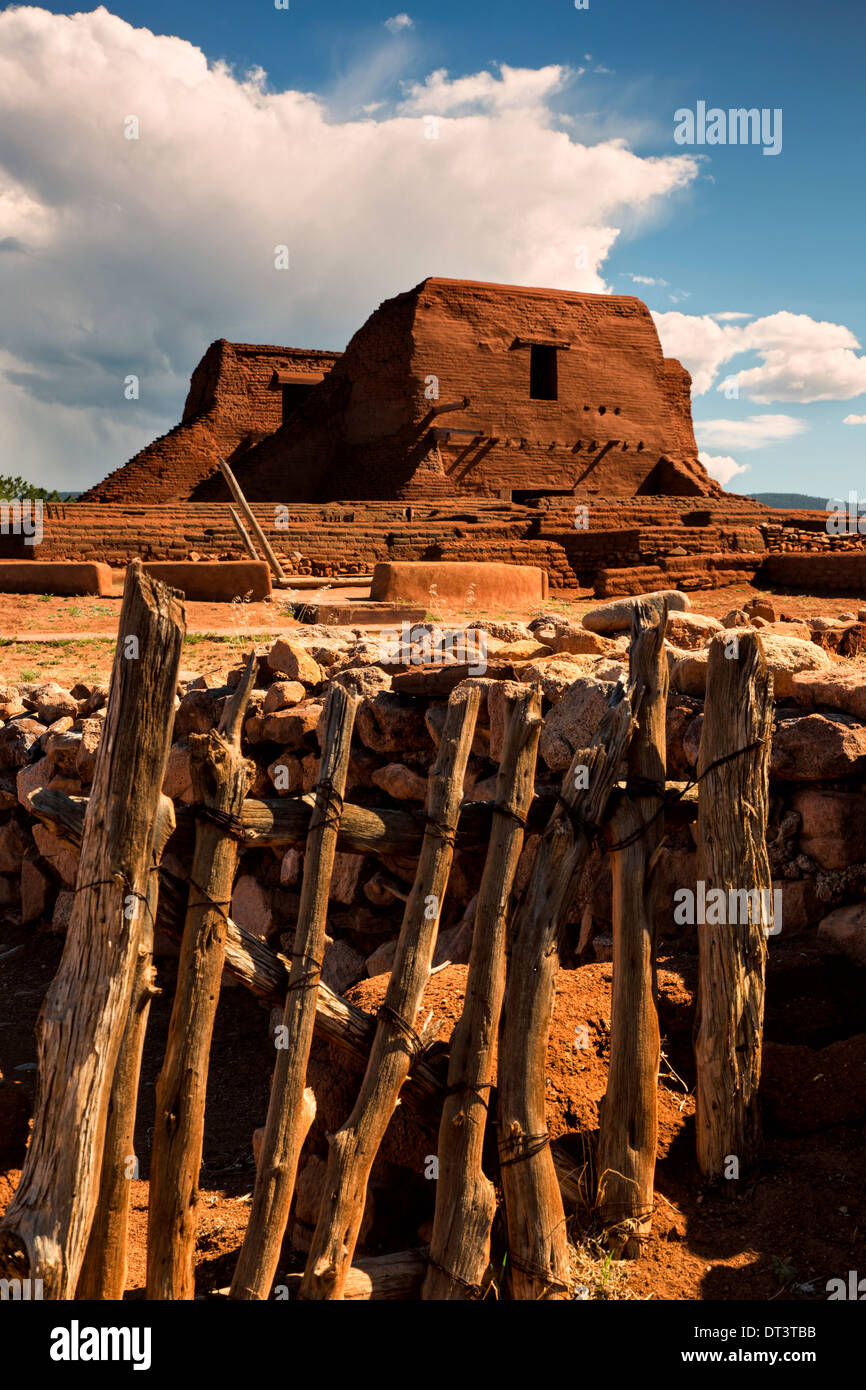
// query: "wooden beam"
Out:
[237,494]
[447,406]
[628,1122]
[103,1271]
[46,1228]
[289,1119]
[732,860]
[220,777]
[353,1149]
[244,535]
[465,1196]
[285,821]
[533,1204]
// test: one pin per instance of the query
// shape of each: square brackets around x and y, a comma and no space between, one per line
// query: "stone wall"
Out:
[49,737]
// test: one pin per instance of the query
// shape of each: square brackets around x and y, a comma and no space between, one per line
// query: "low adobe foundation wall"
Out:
[68,579]
[839,573]
[215,582]
[450,581]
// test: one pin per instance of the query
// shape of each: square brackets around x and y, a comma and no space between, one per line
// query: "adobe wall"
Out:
[230,406]
[373,431]
[618,407]
[350,537]
[827,573]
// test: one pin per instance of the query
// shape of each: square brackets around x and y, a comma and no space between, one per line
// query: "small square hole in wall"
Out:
[542,373]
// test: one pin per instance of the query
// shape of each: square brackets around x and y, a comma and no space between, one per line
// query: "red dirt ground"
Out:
[72,639]
[797,1222]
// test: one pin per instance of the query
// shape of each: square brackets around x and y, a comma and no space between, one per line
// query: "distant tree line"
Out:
[12,488]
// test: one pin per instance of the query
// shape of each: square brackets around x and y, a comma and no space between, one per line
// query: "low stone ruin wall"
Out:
[841,572]
[817,836]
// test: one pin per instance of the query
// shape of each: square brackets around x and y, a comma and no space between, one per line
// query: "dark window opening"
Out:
[542,373]
[293,396]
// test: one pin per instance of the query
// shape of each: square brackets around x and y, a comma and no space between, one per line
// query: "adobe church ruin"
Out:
[464,421]
[454,388]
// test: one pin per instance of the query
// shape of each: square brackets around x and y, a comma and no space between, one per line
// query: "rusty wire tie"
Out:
[534,1145]
[332,810]
[230,825]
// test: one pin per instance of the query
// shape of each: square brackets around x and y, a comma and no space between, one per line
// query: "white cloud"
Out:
[722,467]
[644,279]
[130,256]
[801,358]
[854,420]
[397,22]
[753,432]
[514,88]
[729,315]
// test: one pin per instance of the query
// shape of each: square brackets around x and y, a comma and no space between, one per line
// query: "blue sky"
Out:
[710,231]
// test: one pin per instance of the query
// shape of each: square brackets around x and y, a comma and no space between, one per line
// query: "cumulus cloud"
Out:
[722,467]
[800,358]
[753,432]
[139,252]
[513,89]
[645,279]
[398,22]
[854,420]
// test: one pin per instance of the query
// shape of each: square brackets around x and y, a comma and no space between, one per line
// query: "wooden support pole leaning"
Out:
[244,535]
[628,1123]
[733,864]
[103,1273]
[355,1145]
[533,1203]
[465,1197]
[220,777]
[45,1231]
[289,1119]
[237,494]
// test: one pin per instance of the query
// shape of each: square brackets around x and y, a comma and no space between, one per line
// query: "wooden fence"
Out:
[67,1223]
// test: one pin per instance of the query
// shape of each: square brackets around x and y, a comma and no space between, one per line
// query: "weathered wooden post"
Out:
[289,1113]
[355,1145]
[533,1203]
[465,1197]
[733,765]
[628,1124]
[103,1271]
[45,1231]
[220,777]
